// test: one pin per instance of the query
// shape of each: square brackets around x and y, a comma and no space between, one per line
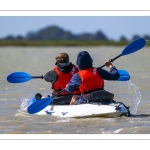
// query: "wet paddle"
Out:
[131,48]
[41,104]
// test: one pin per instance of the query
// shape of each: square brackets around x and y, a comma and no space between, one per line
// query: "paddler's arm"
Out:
[73,84]
[109,75]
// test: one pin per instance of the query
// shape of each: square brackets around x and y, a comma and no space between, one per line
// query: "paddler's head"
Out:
[84,60]
[62,58]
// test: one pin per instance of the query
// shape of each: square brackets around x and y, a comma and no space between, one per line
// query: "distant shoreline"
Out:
[66,43]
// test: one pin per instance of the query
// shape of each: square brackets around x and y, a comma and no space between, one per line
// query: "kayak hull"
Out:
[115,109]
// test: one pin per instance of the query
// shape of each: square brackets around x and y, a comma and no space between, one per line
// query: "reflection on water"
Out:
[39,60]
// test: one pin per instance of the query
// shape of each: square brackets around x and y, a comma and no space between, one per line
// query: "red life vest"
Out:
[63,80]
[91,80]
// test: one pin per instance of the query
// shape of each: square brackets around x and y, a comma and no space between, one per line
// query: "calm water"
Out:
[38,60]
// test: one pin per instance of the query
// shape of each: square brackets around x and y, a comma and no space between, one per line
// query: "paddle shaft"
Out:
[132,47]
[58,93]
[37,77]
[111,60]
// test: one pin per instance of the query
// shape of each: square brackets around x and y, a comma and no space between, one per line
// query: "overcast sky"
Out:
[112,26]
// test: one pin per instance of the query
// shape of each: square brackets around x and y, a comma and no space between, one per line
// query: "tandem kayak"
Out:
[96,109]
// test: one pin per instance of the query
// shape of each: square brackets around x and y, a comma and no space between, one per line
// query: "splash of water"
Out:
[135,96]
[130,94]
[24,103]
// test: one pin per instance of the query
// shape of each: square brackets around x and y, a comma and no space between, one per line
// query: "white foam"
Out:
[24,103]
[118,130]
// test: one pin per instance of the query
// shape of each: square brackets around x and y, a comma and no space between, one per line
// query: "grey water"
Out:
[38,60]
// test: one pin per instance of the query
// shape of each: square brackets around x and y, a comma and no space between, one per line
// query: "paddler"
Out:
[90,80]
[59,78]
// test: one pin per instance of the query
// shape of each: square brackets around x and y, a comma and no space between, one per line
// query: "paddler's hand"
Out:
[66,89]
[108,64]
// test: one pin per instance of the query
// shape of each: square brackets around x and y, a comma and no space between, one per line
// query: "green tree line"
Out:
[56,36]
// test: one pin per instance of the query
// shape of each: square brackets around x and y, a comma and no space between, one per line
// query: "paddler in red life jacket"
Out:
[59,77]
[90,80]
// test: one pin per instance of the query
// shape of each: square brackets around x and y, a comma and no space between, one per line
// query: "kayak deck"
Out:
[86,110]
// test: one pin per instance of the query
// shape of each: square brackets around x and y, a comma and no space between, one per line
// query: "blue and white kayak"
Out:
[114,109]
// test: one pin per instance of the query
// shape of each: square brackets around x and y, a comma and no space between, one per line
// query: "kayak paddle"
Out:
[131,48]
[19,77]
[41,104]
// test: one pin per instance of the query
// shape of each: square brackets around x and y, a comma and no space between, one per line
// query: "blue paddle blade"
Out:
[19,77]
[39,105]
[124,75]
[134,46]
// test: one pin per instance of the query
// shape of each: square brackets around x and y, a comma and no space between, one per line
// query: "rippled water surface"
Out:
[38,60]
